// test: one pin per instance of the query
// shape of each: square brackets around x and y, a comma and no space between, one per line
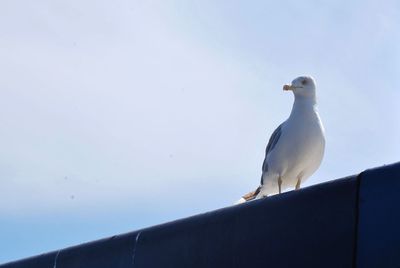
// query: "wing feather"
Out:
[273,140]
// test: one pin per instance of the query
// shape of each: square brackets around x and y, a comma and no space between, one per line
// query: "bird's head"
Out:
[302,86]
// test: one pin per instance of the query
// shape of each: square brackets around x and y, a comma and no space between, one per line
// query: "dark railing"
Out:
[350,222]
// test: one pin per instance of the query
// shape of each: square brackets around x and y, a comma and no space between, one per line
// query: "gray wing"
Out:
[271,145]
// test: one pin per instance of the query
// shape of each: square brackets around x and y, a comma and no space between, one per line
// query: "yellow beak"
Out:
[287,87]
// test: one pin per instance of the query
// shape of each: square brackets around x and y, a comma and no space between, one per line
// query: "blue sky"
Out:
[124,114]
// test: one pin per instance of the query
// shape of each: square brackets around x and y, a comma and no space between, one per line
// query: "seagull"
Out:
[296,148]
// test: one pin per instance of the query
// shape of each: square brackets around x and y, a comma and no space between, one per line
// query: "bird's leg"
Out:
[298,183]
[280,184]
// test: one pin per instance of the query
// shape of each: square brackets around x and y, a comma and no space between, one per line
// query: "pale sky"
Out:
[118,115]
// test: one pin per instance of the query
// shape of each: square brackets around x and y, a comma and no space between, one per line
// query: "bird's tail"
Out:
[249,196]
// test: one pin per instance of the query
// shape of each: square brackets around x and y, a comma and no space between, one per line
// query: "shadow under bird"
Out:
[296,148]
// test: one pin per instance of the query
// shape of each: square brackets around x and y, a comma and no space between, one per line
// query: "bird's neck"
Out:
[304,105]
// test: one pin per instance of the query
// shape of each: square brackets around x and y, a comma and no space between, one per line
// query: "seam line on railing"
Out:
[56,258]
[134,248]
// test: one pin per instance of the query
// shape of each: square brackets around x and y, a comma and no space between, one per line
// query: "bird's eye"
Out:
[304,82]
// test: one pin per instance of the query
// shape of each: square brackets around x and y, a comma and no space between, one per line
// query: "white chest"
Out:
[301,145]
